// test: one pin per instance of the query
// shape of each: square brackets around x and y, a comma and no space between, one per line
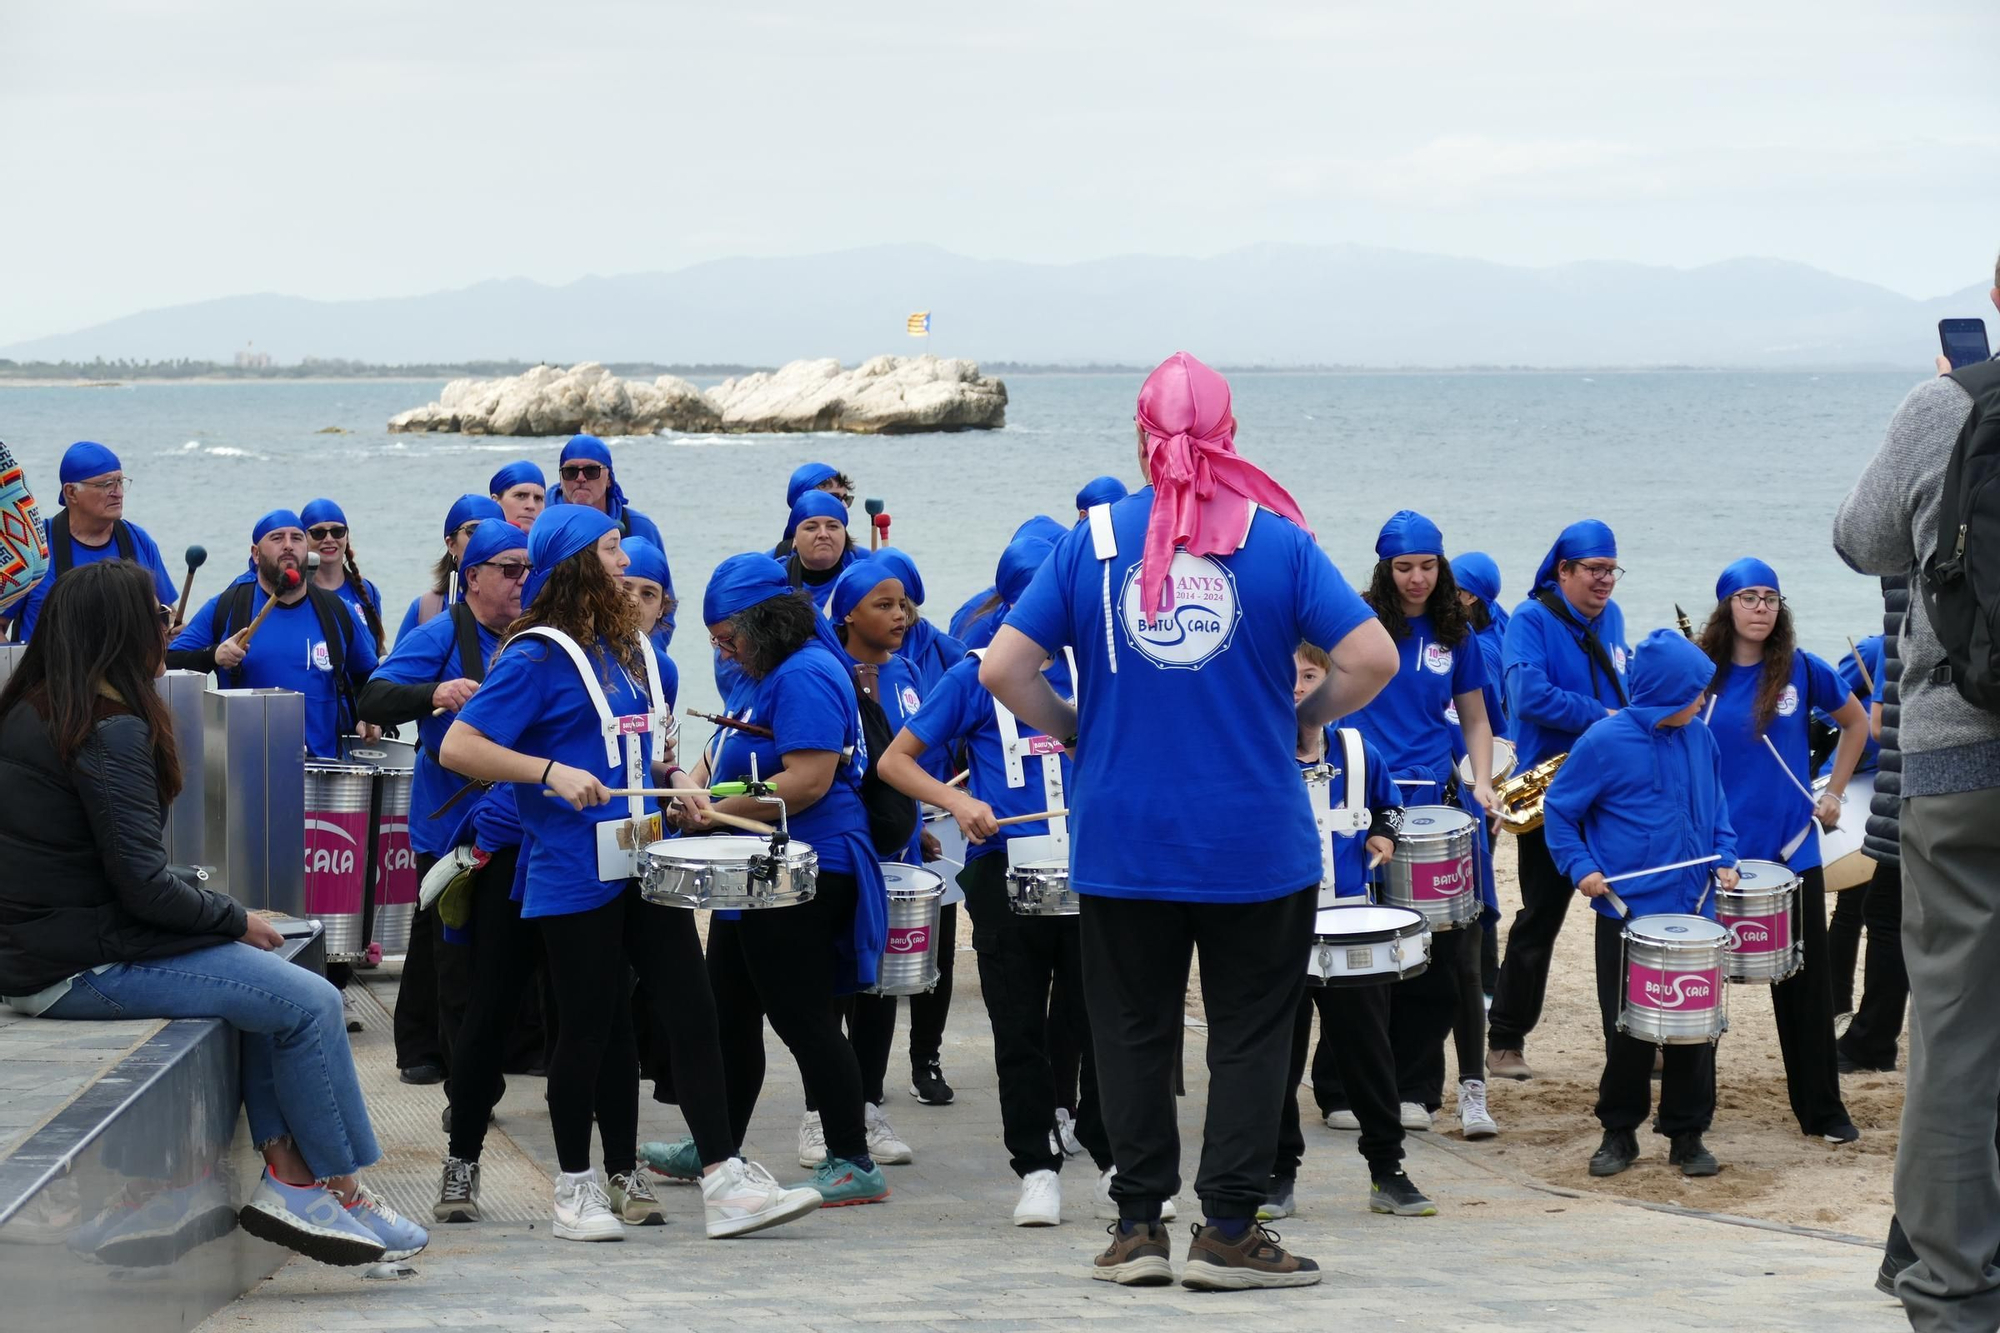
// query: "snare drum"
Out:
[396,881]
[1503,762]
[1365,945]
[727,873]
[1761,916]
[1041,888]
[1672,992]
[909,963]
[1432,868]
[339,844]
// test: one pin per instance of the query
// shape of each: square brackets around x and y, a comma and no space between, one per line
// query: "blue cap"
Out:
[1017,566]
[1477,573]
[321,511]
[86,459]
[1041,525]
[1749,572]
[815,504]
[468,507]
[1101,491]
[808,477]
[859,579]
[648,562]
[516,472]
[588,448]
[493,537]
[1585,539]
[271,522]
[559,533]
[904,569]
[741,582]
[1408,533]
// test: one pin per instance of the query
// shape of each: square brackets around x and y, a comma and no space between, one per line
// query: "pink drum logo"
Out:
[1758,934]
[1435,881]
[336,851]
[909,939]
[1655,989]
[396,874]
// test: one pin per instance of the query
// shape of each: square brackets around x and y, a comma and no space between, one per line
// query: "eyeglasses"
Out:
[1599,573]
[110,485]
[468,528]
[326,530]
[722,642]
[1750,601]
[582,471]
[845,497]
[510,570]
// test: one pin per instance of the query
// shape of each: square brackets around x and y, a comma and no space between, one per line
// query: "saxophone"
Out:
[1519,805]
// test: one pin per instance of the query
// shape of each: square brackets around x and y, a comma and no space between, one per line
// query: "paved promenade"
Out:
[941,1254]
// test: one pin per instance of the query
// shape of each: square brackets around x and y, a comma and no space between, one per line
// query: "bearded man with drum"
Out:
[1184,603]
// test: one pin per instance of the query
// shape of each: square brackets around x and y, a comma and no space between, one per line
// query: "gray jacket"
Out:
[1888,525]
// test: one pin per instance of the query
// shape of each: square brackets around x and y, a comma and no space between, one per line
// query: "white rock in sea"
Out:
[884,395]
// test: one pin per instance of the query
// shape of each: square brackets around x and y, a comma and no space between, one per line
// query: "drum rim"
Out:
[919,893]
[1462,823]
[1415,924]
[794,852]
[1792,878]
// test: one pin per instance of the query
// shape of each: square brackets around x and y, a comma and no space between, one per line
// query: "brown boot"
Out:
[1252,1260]
[1503,1063]
[1137,1258]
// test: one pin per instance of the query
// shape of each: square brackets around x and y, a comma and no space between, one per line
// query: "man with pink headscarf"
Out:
[1190,829]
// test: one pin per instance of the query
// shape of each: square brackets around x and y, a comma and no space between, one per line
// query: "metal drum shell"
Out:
[1701,952]
[1041,888]
[1342,955]
[1764,890]
[395,765]
[1433,835]
[915,899]
[713,873]
[338,797]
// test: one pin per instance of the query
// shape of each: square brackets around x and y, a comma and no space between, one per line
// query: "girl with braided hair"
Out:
[326,529]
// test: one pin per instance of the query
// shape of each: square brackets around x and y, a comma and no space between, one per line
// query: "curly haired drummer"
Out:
[1642,792]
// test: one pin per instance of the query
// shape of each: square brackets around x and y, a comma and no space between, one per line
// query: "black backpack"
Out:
[1961,580]
[892,816]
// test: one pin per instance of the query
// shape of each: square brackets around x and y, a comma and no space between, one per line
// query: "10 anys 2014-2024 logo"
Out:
[1199,624]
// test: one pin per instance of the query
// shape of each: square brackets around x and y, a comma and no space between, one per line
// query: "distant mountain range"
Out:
[1276,305]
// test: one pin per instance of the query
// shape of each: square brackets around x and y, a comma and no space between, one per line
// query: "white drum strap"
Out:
[1104,543]
[1354,801]
[614,727]
[1013,745]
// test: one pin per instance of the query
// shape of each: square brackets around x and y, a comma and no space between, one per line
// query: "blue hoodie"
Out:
[1634,794]
[1555,691]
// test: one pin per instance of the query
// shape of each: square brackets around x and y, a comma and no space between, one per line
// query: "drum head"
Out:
[722,849]
[1433,821]
[1366,920]
[1045,866]
[908,881]
[394,756]
[1764,876]
[1676,929]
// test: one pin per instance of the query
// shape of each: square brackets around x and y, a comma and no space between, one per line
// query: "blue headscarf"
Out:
[1101,491]
[468,507]
[1749,572]
[814,504]
[648,562]
[1479,574]
[855,583]
[904,570]
[1041,525]
[86,459]
[590,449]
[321,511]
[493,537]
[1408,533]
[1585,539]
[744,581]
[1017,567]
[808,477]
[271,522]
[514,474]
[560,532]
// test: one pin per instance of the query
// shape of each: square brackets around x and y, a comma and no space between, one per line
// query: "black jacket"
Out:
[1883,837]
[85,879]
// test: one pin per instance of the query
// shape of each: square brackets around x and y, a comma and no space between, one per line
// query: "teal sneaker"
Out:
[676,1161]
[840,1183]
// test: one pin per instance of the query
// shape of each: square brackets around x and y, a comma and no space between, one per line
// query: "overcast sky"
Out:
[158,153]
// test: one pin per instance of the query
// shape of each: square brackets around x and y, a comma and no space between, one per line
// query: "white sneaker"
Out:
[1474,1121]
[1041,1200]
[1062,1139]
[583,1209]
[883,1145]
[740,1197]
[1342,1120]
[812,1140]
[1415,1117]
[1107,1207]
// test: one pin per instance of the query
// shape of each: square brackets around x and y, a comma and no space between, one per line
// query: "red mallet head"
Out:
[290,579]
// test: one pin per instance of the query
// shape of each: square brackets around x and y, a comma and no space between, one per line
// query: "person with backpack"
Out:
[91,526]
[460,521]
[1925,506]
[310,641]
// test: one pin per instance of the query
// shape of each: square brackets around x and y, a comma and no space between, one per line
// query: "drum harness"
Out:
[1053,845]
[762,868]
[1351,817]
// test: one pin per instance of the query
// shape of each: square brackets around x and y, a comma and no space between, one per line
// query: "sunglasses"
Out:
[166,614]
[582,471]
[510,570]
[326,530]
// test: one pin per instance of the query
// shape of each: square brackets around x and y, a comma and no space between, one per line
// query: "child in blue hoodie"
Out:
[1643,788]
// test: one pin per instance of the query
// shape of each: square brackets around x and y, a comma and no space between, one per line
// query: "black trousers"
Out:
[779,962]
[929,1011]
[1066,1054]
[1803,1007]
[1352,1068]
[1870,1039]
[1426,1009]
[1023,962]
[1531,940]
[1625,1089]
[499,960]
[595,1067]
[1136,953]
[419,1024]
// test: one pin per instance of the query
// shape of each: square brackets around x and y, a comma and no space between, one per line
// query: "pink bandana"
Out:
[1202,490]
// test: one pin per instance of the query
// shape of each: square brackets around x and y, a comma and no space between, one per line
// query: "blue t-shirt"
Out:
[425,656]
[960,709]
[1555,688]
[1407,721]
[144,550]
[809,702]
[1868,692]
[900,699]
[533,701]
[289,653]
[1186,785]
[1766,808]
[345,592]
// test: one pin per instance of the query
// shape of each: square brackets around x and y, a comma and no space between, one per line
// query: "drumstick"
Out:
[1867,681]
[750,728]
[1030,819]
[1376,860]
[1619,904]
[287,581]
[668,793]
[197,556]
[1661,870]
[960,778]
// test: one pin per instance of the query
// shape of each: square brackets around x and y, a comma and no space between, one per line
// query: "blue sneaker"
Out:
[676,1161]
[840,1183]
[401,1238]
[311,1221]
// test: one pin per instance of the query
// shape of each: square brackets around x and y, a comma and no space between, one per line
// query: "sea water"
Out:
[1692,469]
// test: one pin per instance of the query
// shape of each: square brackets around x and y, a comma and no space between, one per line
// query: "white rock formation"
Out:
[885,395]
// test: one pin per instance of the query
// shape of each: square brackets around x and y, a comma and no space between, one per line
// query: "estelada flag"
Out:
[919,324]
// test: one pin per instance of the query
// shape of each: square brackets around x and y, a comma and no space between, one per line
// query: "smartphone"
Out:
[1963,341]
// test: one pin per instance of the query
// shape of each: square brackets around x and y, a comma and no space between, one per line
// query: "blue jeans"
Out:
[298,1071]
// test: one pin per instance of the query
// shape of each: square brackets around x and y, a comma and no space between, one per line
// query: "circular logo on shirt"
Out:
[1200,622]
[1451,712]
[910,701]
[1618,659]
[1437,659]
[1788,702]
[321,661]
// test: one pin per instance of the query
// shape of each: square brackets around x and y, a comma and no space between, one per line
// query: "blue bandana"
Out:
[1409,533]
[321,511]
[590,449]
[1749,572]
[648,562]
[514,474]
[492,538]
[904,569]
[859,579]
[271,522]
[559,533]
[1585,539]
[814,504]
[744,581]
[86,459]
[808,477]
[1479,574]
[468,507]
[1041,525]
[1101,491]
[1017,567]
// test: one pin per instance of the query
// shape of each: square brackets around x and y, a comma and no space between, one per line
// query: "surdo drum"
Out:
[1503,763]
[1366,944]
[339,847]
[396,883]
[1431,871]
[724,872]
[1761,915]
[1672,988]
[909,963]
[1041,888]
